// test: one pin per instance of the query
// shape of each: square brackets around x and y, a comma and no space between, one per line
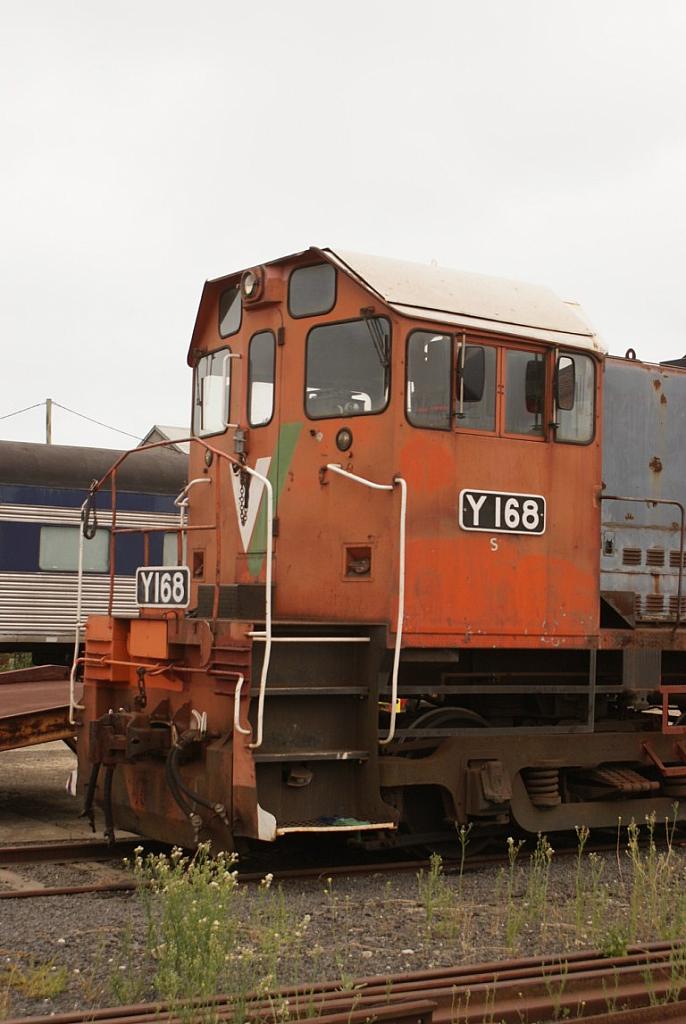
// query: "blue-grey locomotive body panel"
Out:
[644,456]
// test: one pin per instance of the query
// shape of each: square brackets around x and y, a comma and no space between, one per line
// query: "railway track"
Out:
[647,984]
[71,852]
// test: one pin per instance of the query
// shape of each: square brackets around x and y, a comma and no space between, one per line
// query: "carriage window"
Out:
[575,398]
[347,368]
[230,310]
[429,357]
[261,378]
[212,391]
[59,550]
[476,373]
[525,393]
[312,290]
[170,549]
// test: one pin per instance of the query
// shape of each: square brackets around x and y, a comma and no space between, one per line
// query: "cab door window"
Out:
[525,393]
[476,387]
[429,393]
[261,360]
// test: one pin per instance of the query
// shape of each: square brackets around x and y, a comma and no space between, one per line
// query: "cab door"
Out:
[256,443]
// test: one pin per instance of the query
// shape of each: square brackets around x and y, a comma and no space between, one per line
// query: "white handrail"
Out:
[181,502]
[237,706]
[400,482]
[267,604]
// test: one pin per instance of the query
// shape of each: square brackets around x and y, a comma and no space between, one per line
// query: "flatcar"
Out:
[42,490]
[435,577]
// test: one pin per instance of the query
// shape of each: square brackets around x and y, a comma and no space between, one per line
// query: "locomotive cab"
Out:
[392,614]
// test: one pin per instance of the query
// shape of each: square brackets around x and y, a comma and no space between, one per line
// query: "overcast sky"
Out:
[147,146]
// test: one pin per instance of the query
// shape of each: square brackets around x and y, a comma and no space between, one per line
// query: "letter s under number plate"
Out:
[502,512]
[163,586]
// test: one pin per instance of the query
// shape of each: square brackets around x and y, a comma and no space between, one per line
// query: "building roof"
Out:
[158,471]
[164,433]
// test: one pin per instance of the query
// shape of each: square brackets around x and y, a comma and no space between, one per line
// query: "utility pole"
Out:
[48,420]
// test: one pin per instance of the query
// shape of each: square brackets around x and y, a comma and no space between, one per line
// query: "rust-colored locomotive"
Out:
[424,578]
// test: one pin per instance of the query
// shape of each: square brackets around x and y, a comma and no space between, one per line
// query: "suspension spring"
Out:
[543,786]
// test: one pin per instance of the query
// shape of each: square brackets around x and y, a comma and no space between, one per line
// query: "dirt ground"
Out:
[34,802]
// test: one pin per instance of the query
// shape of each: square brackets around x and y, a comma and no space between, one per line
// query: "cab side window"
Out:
[211,393]
[574,398]
[525,393]
[230,311]
[312,290]
[428,394]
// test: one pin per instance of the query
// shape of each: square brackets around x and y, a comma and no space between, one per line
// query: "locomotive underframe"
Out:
[507,737]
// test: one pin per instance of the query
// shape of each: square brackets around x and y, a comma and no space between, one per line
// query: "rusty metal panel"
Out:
[643,457]
[36,727]
[34,707]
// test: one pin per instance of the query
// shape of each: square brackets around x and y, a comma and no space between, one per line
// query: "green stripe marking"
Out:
[278,468]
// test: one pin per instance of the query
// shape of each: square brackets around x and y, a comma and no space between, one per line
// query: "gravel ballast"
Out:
[96,945]
[359,925]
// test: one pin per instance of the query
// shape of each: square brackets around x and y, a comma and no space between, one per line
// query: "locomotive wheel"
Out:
[442,717]
[424,815]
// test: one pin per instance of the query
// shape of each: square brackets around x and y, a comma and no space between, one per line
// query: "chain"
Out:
[243,492]
[141,698]
[244,497]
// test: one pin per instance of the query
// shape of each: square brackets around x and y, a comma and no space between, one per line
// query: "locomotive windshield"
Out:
[347,372]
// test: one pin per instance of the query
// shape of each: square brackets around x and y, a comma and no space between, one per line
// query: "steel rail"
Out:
[533,989]
[91,849]
[99,851]
[71,850]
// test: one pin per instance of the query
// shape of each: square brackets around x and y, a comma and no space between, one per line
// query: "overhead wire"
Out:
[91,420]
[17,412]
[81,415]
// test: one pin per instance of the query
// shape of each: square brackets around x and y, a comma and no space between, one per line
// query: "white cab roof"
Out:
[464,299]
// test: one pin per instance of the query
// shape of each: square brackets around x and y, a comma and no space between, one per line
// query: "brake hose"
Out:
[87,811]
[176,775]
[107,805]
